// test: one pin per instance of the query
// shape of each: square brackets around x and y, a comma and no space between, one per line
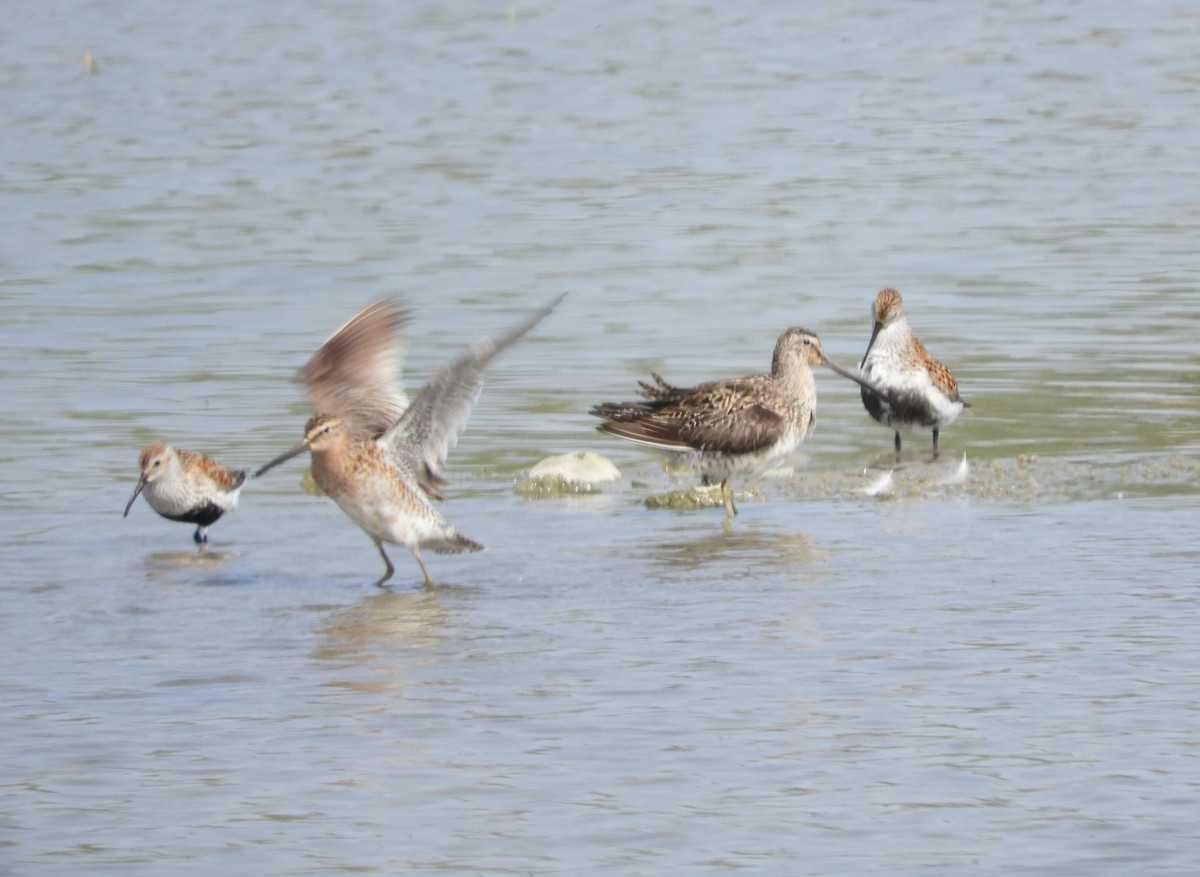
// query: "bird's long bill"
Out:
[141,483]
[858,380]
[283,458]
[874,332]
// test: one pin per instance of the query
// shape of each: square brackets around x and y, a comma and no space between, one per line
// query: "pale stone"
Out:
[573,473]
[579,466]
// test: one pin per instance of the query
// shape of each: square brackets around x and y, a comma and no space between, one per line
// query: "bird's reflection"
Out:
[202,558]
[215,567]
[380,633]
[745,550]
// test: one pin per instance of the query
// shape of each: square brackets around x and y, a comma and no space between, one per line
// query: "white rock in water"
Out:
[578,467]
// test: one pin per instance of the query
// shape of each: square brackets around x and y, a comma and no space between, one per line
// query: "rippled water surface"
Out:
[990,675]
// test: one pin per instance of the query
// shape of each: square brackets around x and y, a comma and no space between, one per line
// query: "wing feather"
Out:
[355,375]
[423,436]
[717,417]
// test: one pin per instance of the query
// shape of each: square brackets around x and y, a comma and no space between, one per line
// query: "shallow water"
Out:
[975,676]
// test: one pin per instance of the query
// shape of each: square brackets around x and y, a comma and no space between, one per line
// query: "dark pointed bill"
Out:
[141,483]
[874,333]
[282,458]
[857,379]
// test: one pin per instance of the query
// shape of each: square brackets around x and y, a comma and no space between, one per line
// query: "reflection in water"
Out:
[737,549]
[203,558]
[169,567]
[378,634]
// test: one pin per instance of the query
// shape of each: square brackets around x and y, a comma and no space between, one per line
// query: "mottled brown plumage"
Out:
[732,425]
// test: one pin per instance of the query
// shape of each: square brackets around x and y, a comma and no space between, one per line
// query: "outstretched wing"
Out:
[424,435]
[355,374]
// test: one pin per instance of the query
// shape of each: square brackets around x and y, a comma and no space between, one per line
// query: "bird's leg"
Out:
[727,495]
[897,444]
[200,536]
[390,569]
[935,449]
[429,583]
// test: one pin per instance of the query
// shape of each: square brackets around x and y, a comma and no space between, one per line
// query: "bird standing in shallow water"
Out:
[378,457]
[186,486]
[730,426]
[922,394]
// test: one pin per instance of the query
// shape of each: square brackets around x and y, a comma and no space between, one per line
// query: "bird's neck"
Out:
[894,336]
[332,463]
[793,373]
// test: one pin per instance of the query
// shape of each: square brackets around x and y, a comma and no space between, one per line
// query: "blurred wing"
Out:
[424,435]
[356,373]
